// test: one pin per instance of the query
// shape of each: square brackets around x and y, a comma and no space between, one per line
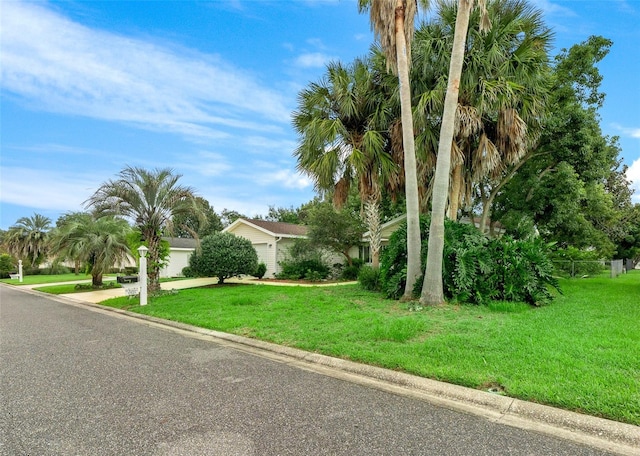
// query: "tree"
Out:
[101,242]
[224,255]
[338,231]
[27,239]
[228,216]
[151,199]
[432,288]
[197,225]
[343,140]
[573,188]
[392,22]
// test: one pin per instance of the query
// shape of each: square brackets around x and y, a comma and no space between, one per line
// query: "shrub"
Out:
[474,268]
[261,270]
[351,272]
[187,271]
[7,266]
[303,259]
[369,278]
[224,255]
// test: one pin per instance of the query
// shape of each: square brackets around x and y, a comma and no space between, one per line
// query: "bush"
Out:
[7,266]
[261,270]
[224,255]
[369,278]
[187,271]
[304,259]
[351,272]
[474,268]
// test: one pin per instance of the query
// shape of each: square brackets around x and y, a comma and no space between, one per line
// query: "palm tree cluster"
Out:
[471,91]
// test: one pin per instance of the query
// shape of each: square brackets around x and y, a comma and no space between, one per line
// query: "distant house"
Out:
[180,249]
[271,240]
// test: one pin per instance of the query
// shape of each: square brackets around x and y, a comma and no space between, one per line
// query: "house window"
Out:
[365,254]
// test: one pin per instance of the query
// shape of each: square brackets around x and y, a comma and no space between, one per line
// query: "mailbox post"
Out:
[20,269]
[142,250]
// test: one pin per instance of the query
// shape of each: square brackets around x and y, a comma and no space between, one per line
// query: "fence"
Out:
[584,268]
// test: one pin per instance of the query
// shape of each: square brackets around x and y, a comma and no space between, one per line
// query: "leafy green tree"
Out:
[228,216]
[224,255]
[27,239]
[151,199]
[101,243]
[336,230]
[198,225]
[572,188]
[393,24]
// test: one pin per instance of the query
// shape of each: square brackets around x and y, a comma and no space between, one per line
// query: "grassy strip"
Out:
[71,287]
[580,353]
[36,279]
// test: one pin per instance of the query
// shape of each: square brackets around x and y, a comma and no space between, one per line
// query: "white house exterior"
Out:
[271,240]
[180,250]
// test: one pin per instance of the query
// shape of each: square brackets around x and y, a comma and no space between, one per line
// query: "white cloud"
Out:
[313,60]
[627,131]
[44,189]
[58,65]
[633,174]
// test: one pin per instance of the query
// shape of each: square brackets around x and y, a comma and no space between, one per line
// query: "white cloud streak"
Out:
[57,65]
[633,174]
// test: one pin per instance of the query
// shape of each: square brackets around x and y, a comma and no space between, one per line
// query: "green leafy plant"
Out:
[224,255]
[261,270]
[369,278]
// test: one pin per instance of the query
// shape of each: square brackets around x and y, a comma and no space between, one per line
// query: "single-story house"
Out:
[180,249]
[271,240]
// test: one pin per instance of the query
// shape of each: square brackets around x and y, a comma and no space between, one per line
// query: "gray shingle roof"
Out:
[280,228]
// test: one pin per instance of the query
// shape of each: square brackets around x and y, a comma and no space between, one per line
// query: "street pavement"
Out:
[80,380]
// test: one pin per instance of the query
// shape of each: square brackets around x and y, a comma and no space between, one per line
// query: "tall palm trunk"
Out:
[432,287]
[153,270]
[410,168]
[372,215]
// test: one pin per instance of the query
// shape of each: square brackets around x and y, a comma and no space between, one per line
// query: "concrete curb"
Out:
[597,432]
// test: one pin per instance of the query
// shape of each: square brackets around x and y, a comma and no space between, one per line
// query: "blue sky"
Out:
[207,88]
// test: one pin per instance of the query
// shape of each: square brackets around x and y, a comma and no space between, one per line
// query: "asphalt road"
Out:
[75,381]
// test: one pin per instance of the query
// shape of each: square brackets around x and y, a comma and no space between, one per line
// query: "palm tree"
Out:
[392,22]
[501,100]
[27,239]
[150,199]
[342,124]
[432,287]
[99,242]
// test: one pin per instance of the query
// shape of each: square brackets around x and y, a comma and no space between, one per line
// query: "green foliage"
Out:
[261,270]
[335,230]
[202,221]
[369,278]
[350,272]
[475,269]
[573,262]
[304,258]
[224,255]
[188,271]
[7,265]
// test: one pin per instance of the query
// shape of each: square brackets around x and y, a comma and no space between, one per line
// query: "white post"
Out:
[20,269]
[142,276]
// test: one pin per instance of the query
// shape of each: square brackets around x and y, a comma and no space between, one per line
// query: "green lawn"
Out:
[580,353]
[36,279]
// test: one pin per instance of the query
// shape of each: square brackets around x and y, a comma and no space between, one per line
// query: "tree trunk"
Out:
[372,212]
[153,261]
[432,287]
[96,280]
[456,188]
[410,168]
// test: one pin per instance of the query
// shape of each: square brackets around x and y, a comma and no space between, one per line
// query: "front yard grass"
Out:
[580,353]
[49,278]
